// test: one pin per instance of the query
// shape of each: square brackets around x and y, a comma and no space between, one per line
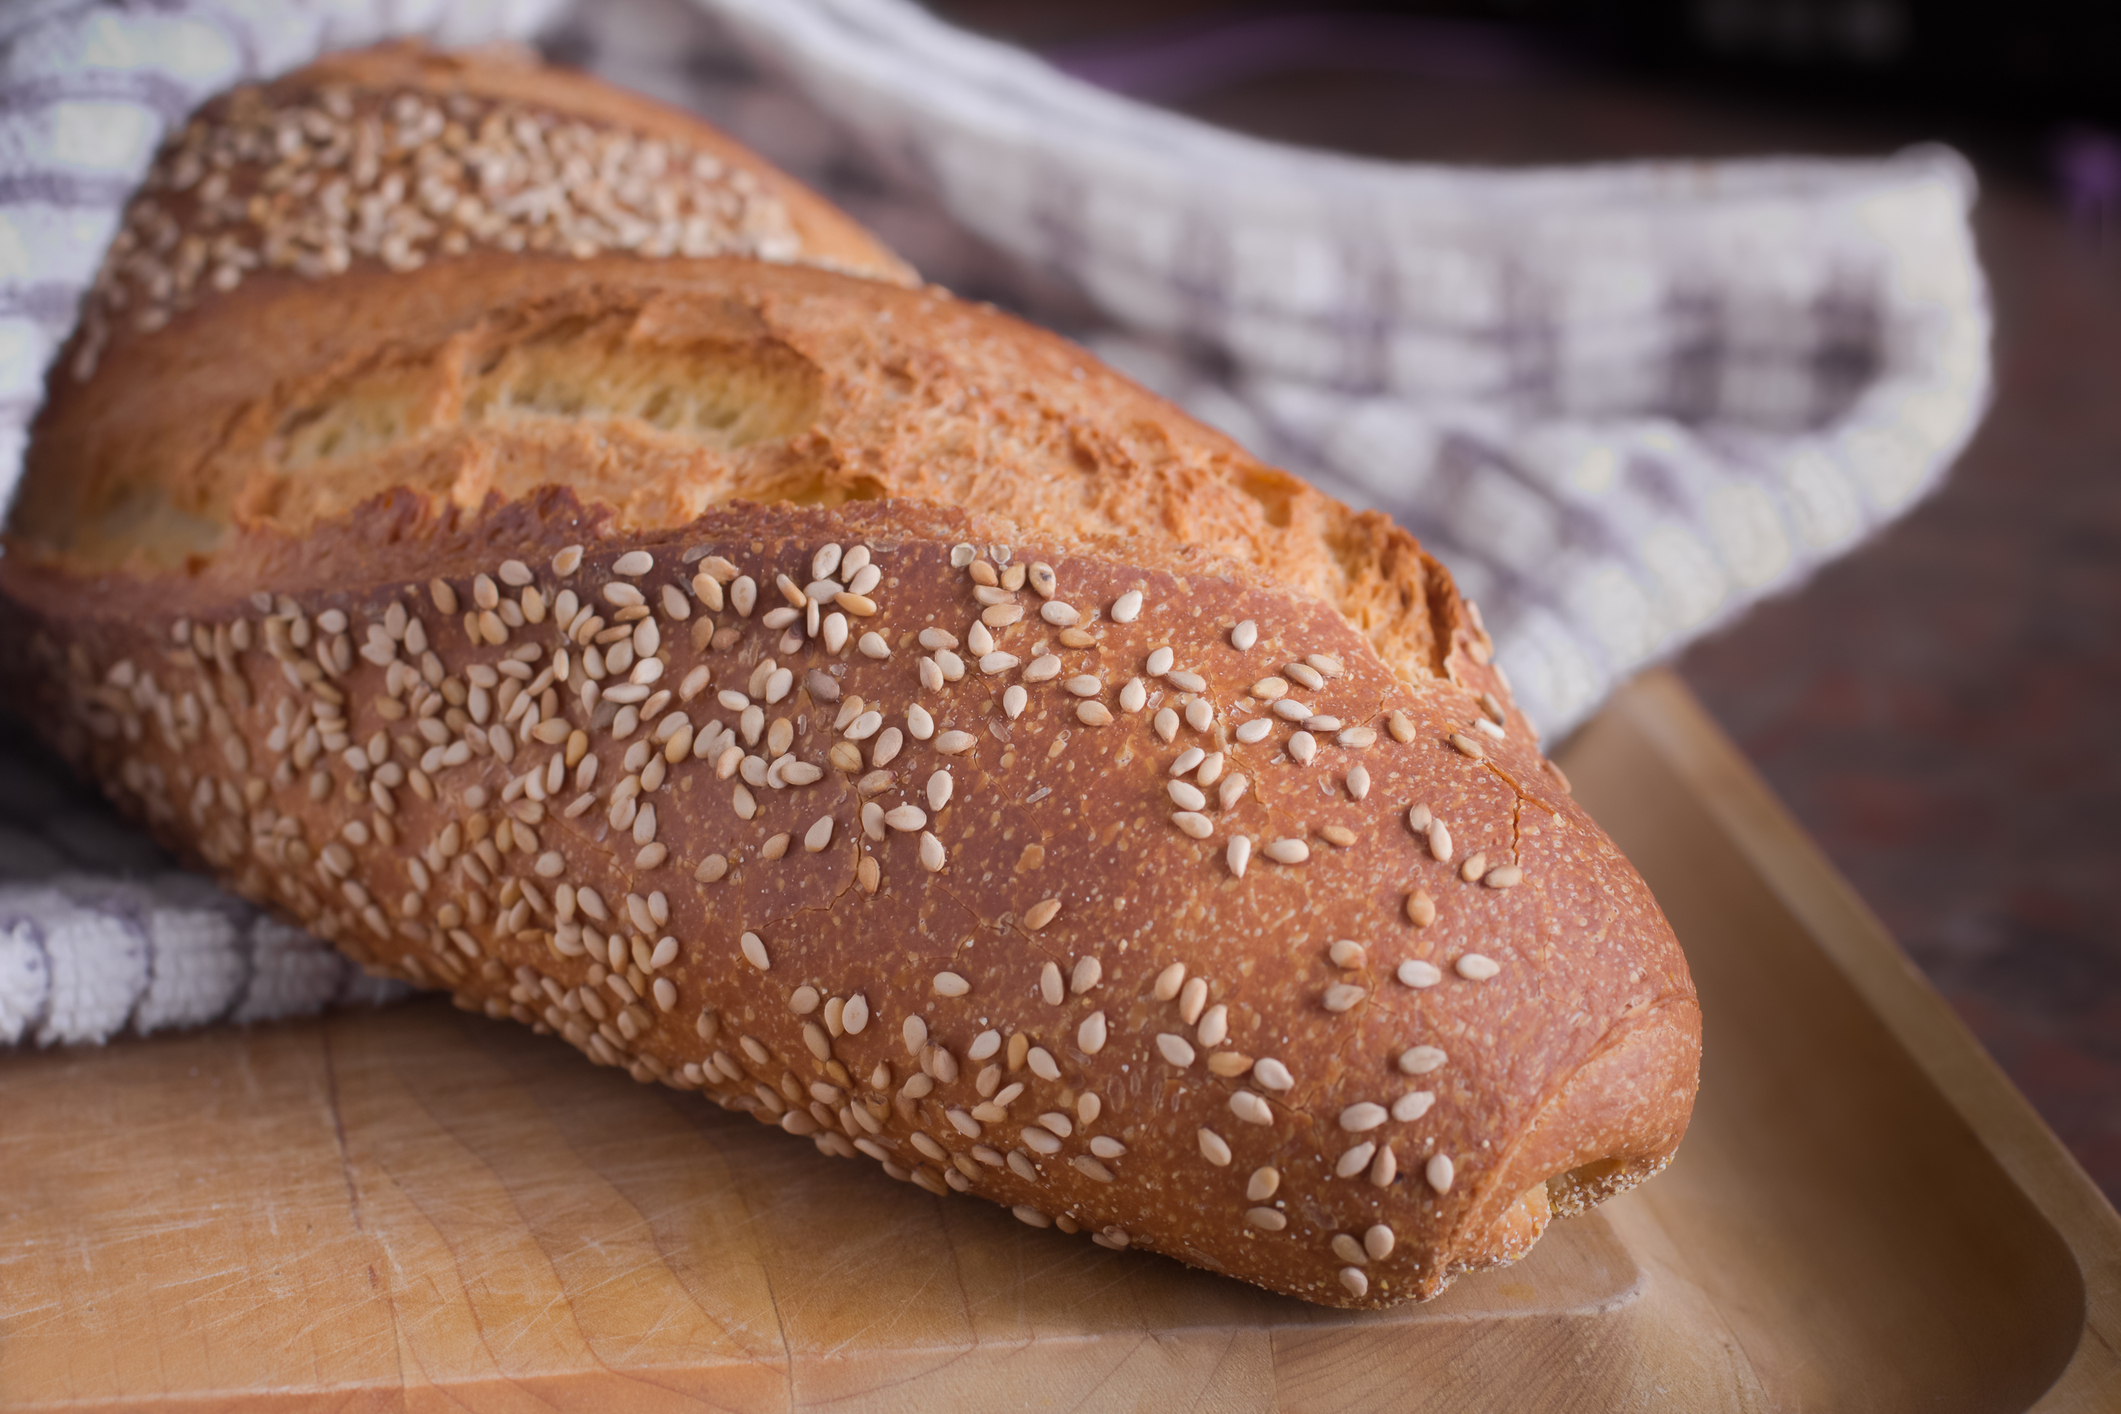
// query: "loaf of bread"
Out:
[507,529]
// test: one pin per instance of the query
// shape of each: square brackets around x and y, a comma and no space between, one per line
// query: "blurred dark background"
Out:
[1942,708]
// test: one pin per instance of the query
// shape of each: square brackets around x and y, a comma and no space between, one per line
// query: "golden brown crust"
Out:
[430,863]
[393,157]
[294,575]
[665,388]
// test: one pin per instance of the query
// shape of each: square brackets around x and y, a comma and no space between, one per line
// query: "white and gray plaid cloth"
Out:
[1622,403]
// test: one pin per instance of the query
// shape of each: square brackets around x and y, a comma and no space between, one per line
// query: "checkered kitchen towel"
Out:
[1621,402]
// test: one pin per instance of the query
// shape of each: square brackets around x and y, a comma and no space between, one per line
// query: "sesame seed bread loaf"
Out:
[792,685]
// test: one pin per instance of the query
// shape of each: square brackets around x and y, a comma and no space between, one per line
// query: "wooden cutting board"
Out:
[422,1209]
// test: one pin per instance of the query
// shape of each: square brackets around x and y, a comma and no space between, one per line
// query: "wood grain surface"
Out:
[422,1209]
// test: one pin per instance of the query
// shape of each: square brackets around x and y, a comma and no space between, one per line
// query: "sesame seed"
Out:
[1357,1284]
[933,856]
[1169,981]
[1084,685]
[1416,973]
[914,1032]
[961,556]
[1349,1250]
[1273,1074]
[633,564]
[1354,1160]
[1347,953]
[949,984]
[1233,790]
[1040,914]
[1042,1063]
[1244,636]
[984,1045]
[1503,876]
[1041,1139]
[1060,615]
[564,564]
[1175,1049]
[1474,866]
[1287,851]
[1211,769]
[1090,1035]
[1304,673]
[1439,842]
[1134,696]
[1160,662]
[1032,1216]
[1291,710]
[1186,682]
[1214,1148]
[755,952]
[1421,912]
[1412,1105]
[1270,689]
[1401,727]
[854,1016]
[1214,1026]
[1127,608]
[1263,1184]
[1049,984]
[1358,781]
[1092,1168]
[1192,999]
[1475,967]
[1303,747]
[906,817]
[1015,700]
[1363,1116]
[872,645]
[1093,714]
[1187,796]
[1200,714]
[1194,824]
[1088,973]
[1343,996]
[1166,723]
[1255,731]
[1338,835]
[1440,1171]
[955,743]
[1466,746]
[1251,1108]
[1268,1218]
